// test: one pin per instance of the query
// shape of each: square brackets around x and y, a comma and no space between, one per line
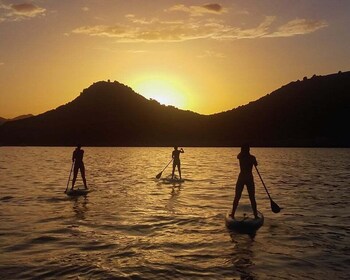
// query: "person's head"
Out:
[245,148]
[78,146]
[175,147]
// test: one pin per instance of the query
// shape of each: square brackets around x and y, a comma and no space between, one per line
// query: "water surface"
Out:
[133,226]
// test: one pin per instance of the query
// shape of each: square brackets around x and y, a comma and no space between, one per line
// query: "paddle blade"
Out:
[160,174]
[274,207]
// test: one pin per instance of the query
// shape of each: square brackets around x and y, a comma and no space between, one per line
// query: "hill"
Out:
[312,112]
[105,114]
[3,120]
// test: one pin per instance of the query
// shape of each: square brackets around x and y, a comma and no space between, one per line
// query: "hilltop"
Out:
[311,112]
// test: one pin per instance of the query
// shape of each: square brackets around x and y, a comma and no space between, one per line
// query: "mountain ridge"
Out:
[307,113]
[3,120]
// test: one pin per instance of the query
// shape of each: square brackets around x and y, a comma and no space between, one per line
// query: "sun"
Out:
[165,91]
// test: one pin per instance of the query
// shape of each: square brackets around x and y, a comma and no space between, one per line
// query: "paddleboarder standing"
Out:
[245,177]
[77,158]
[176,160]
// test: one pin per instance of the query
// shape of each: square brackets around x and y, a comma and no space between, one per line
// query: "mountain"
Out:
[3,120]
[312,112]
[106,113]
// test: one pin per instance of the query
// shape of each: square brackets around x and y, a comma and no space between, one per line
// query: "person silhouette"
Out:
[176,160]
[245,177]
[77,158]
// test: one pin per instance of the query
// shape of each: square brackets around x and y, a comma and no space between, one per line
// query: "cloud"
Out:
[28,10]
[18,12]
[150,31]
[213,7]
[235,33]
[196,11]
[85,9]
[298,27]
[103,31]
[197,27]
[142,21]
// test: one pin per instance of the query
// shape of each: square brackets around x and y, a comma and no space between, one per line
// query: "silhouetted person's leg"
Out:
[75,174]
[179,169]
[82,171]
[238,193]
[251,192]
[172,174]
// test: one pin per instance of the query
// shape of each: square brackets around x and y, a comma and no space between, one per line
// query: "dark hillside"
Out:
[106,113]
[312,112]
[3,120]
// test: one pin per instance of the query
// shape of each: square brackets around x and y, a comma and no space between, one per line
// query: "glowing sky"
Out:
[205,56]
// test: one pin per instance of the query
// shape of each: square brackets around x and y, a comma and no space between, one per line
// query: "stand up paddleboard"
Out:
[77,192]
[244,223]
[174,180]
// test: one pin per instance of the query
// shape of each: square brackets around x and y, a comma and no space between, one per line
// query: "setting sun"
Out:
[164,91]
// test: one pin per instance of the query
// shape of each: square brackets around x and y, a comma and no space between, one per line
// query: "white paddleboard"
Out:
[245,223]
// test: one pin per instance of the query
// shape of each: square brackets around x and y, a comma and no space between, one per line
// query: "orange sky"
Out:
[197,55]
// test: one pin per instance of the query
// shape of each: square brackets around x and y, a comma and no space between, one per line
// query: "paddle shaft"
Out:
[263,182]
[167,165]
[160,173]
[70,173]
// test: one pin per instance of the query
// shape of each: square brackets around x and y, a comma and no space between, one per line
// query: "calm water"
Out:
[135,227]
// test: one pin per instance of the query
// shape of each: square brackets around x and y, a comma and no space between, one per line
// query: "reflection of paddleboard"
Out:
[244,223]
[77,192]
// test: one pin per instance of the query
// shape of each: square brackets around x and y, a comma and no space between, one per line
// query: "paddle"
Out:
[160,174]
[70,173]
[274,207]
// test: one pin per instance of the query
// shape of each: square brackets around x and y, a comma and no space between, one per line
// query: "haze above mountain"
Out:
[312,112]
